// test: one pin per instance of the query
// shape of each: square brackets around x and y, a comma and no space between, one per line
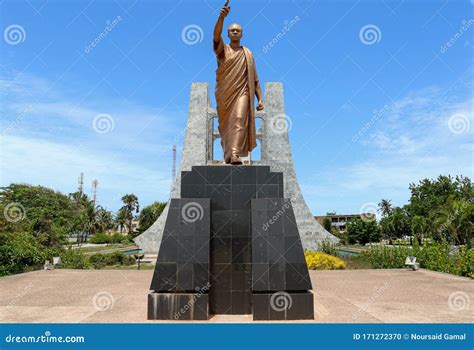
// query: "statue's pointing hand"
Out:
[225,9]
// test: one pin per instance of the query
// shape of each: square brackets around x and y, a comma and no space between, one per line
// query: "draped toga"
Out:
[236,80]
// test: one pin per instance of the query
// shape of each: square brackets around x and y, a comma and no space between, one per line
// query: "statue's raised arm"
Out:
[220,21]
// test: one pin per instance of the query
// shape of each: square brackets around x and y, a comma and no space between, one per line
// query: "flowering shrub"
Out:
[322,261]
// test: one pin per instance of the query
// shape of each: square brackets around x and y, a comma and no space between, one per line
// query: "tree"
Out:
[454,222]
[149,215]
[396,225]
[420,228]
[327,224]
[429,195]
[385,207]
[121,219]
[131,205]
[362,231]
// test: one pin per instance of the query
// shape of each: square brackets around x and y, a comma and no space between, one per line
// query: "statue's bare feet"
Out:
[235,160]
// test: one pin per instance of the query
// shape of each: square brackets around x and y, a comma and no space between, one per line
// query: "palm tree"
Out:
[385,207]
[130,205]
[121,219]
[453,221]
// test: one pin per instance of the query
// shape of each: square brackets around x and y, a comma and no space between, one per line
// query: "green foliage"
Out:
[328,248]
[99,261]
[20,252]
[327,224]
[103,238]
[73,259]
[431,194]
[149,214]
[130,206]
[396,225]
[436,257]
[363,231]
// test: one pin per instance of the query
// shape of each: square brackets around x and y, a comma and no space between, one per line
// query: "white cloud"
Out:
[410,142]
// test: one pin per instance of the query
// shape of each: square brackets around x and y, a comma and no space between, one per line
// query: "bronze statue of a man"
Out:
[236,87]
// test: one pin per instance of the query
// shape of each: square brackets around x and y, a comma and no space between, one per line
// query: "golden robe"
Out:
[236,80]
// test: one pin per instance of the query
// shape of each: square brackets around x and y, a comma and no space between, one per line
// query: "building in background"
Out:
[339,221]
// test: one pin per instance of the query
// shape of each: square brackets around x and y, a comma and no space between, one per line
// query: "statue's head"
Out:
[234,32]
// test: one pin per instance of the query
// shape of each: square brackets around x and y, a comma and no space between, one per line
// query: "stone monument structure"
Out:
[231,239]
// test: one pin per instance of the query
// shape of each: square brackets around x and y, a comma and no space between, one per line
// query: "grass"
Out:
[130,267]
[112,246]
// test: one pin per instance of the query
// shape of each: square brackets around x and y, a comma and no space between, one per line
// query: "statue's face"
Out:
[234,32]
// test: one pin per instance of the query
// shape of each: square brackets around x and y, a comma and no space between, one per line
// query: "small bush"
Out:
[436,257]
[322,261]
[73,259]
[328,248]
[100,238]
[99,261]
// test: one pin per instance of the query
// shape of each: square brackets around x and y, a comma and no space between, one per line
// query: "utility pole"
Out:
[94,191]
[80,188]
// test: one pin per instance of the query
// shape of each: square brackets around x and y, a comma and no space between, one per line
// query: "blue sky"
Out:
[340,61]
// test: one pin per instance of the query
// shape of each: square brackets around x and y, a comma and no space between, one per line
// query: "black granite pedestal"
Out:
[245,255]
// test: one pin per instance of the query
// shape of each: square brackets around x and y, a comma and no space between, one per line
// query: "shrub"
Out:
[99,261]
[100,238]
[20,252]
[72,259]
[322,261]
[436,257]
[328,248]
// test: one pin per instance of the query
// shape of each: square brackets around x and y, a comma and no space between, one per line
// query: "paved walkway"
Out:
[349,296]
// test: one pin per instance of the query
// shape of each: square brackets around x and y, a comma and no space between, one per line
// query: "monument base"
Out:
[283,306]
[178,306]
